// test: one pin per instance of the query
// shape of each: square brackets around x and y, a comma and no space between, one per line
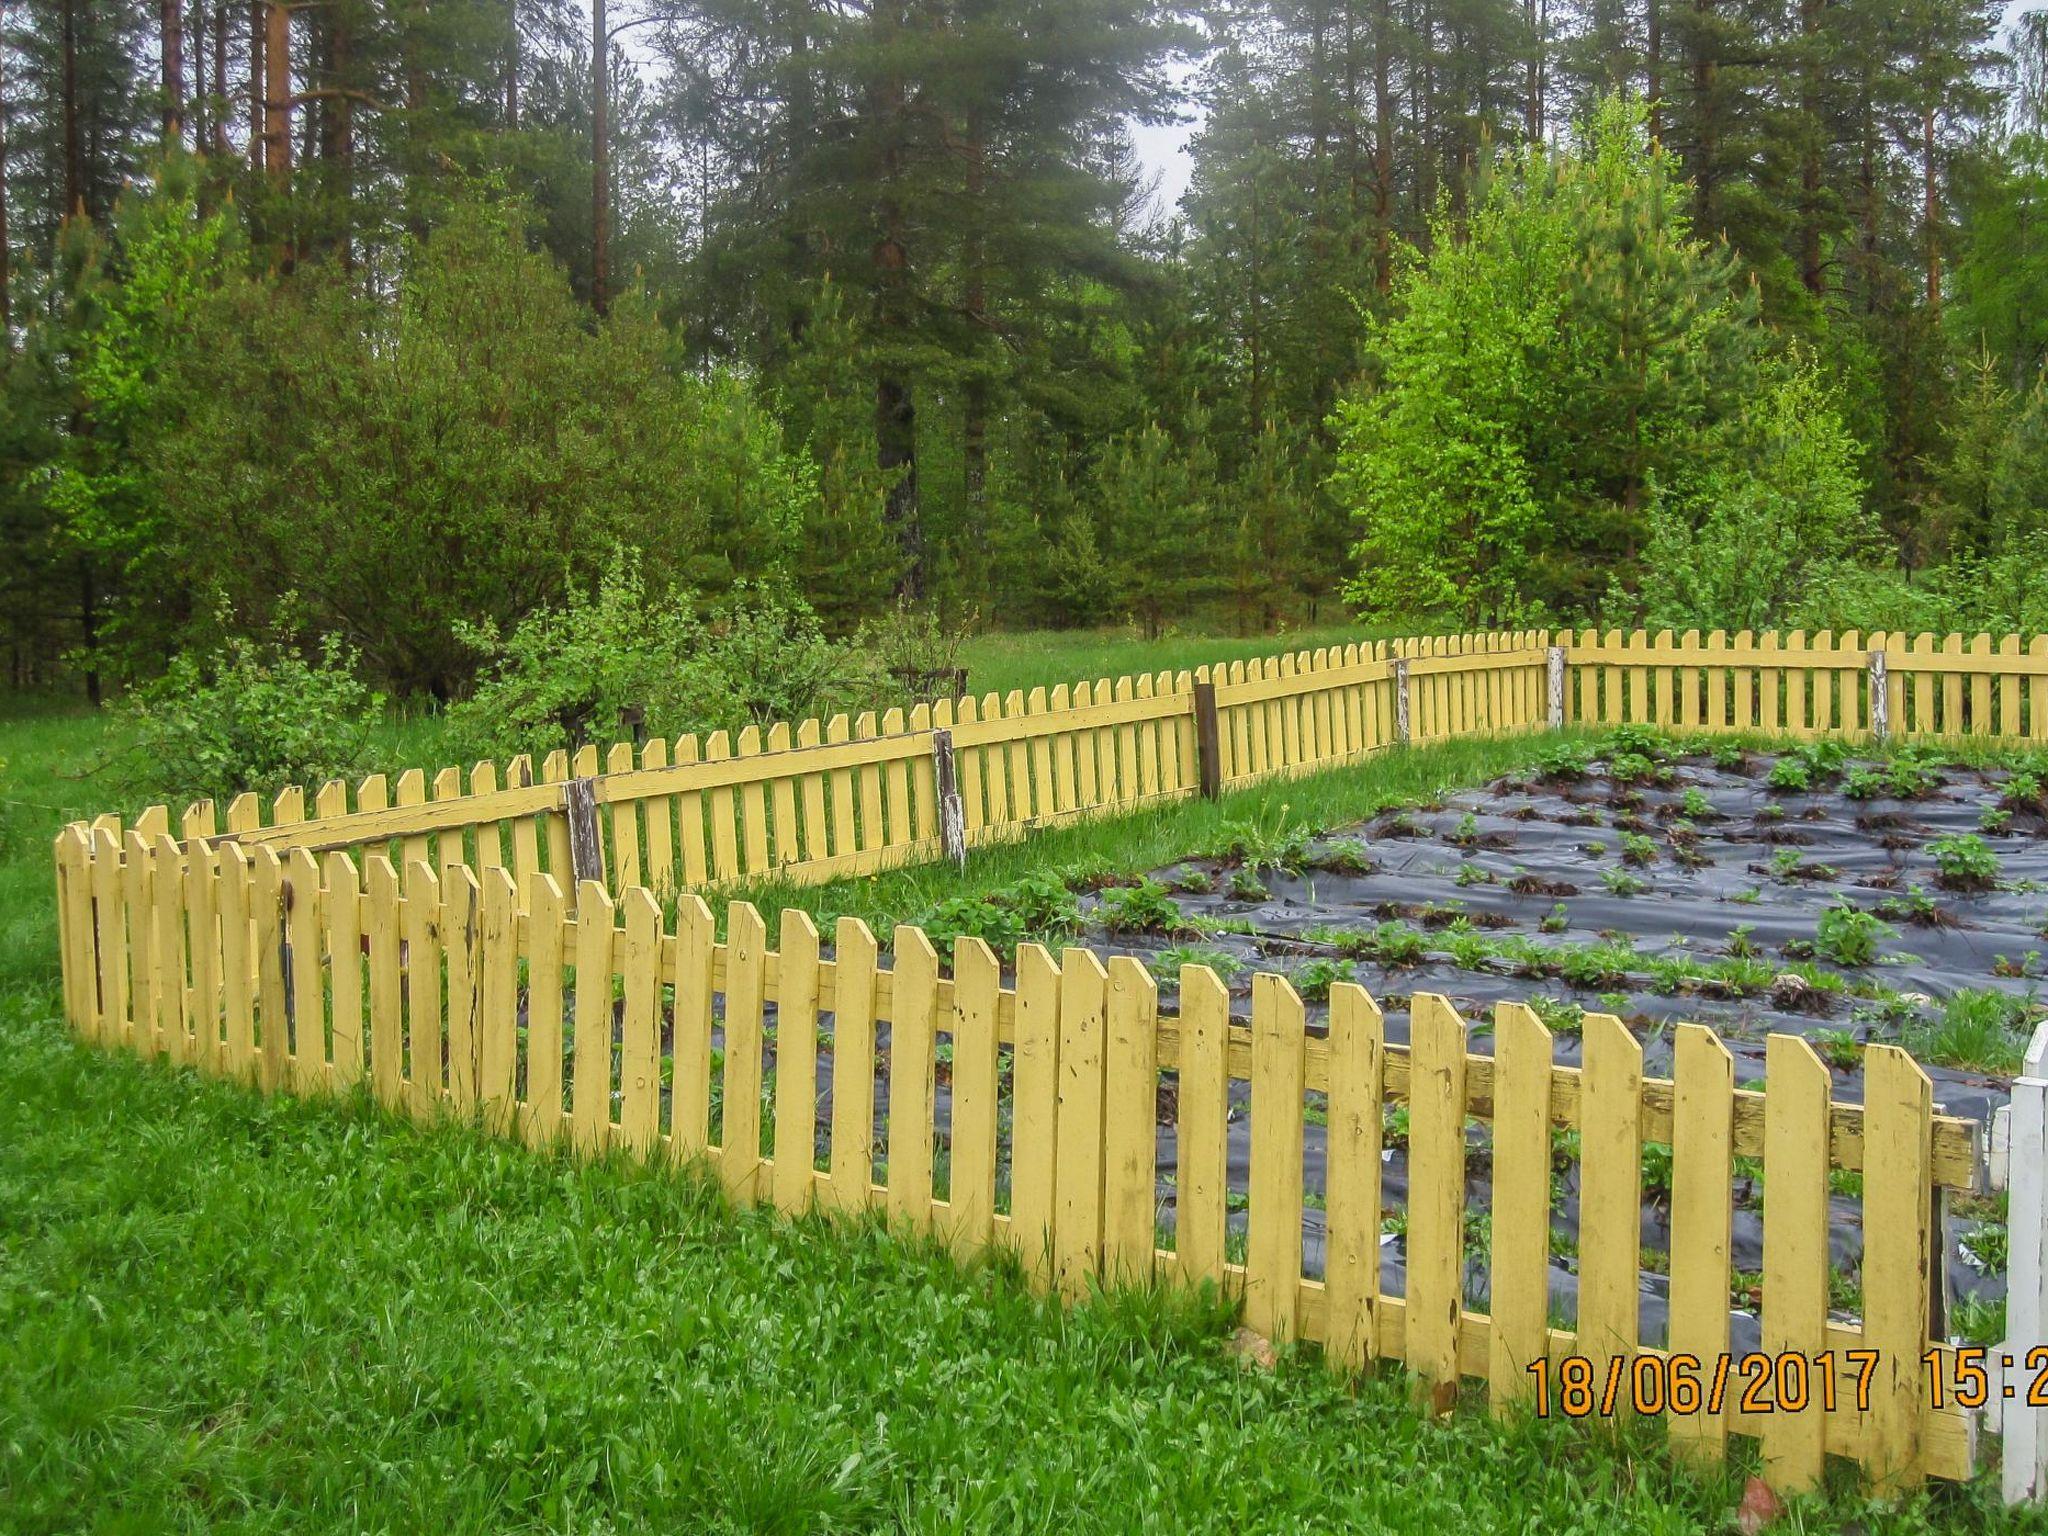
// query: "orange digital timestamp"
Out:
[1685,1385]
[1972,1386]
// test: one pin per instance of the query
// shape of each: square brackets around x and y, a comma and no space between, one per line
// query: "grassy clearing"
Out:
[224,1313]
[998,662]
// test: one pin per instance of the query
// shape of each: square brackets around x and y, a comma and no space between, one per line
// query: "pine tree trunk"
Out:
[277,90]
[220,76]
[1653,65]
[1703,111]
[172,45]
[974,411]
[895,399]
[74,144]
[1383,147]
[1931,211]
[600,158]
[6,246]
[1811,274]
[258,84]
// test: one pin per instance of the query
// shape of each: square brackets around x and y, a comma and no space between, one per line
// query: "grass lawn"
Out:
[221,1312]
[999,661]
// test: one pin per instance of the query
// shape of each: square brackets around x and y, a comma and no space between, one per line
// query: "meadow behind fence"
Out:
[501,952]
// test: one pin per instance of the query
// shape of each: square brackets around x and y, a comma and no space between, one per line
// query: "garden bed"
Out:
[1895,901]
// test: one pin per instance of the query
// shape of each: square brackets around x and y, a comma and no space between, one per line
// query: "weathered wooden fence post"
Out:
[2018,1161]
[952,817]
[1880,700]
[586,844]
[1401,700]
[1208,741]
[1556,686]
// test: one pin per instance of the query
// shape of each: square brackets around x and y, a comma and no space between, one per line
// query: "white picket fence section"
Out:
[2019,1165]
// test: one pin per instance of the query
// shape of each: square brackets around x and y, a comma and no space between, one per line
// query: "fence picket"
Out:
[690,1098]
[1351,1266]
[1898,1130]
[1702,1203]
[1077,1217]
[1610,1194]
[1034,1127]
[977,1089]
[853,1064]
[1272,1266]
[1130,1158]
[1795,1310]
[746,970]
[590,1086]
[1520,1262]
[640,1033]
[796,1064]
[540,1117]
[913,1044]
[1436,1197]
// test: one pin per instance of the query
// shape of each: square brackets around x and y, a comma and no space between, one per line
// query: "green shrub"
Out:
[1963,861]
[247,717]
[1849,936]
[568,676]
[1994,819]
[1977,1031]
[1638,740]
[1637,849]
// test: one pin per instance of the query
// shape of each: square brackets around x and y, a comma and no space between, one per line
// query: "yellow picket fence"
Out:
[574,1018]
[455,945]
[822,800]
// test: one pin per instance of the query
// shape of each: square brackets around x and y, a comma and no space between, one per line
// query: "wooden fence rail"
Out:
[295,972]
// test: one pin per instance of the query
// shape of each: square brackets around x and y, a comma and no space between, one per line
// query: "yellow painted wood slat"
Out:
[167,914]
[722,810]
[1034,1117]
[853,1063]
[541,1119]
[1610,1193]
[796,1064]
[696,954]
[1130,1157]
[659,856]
[1351,1271]
[1436,1197]
[1520,1262]
[342,907]
[236,962]
[422,990]
[110,926]
[693,850]
[640,1030]
[139,937]
[1795,1307]
[746,969]
[496,1034]
[267,918]
[387,984]
[782,802]
[1982,722]
[1898,1271]
[590,1086]
[1702,1152]
[1273,1240]
[913,1042]
[461,941]
[754,808]
[1202,1127]
[202,908]
[306,981]
[1077,1219]
[977,1089]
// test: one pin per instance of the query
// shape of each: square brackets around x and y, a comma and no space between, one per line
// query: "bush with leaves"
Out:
[566,676]
[249,717]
